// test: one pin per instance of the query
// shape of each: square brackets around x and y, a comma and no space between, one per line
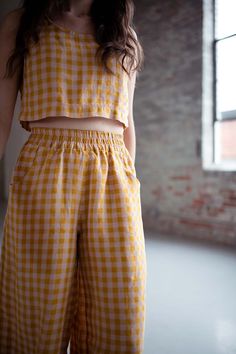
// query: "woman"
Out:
[73,265]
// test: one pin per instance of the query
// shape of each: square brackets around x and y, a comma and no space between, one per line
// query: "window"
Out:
[225,80]
[219,85]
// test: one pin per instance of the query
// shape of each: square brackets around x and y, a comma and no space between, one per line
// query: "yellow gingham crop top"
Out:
[62,78]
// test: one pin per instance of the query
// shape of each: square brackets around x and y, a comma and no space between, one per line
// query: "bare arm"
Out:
[129,133]
[8,86]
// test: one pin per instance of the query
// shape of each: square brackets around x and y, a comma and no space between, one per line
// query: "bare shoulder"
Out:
[10,22]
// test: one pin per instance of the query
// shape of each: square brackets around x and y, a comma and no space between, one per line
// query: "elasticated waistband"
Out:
[78,136]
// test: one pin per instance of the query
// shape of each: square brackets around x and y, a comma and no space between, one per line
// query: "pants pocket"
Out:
[129,167]
[27,163]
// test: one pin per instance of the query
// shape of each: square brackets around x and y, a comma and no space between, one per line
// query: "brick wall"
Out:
[178,196]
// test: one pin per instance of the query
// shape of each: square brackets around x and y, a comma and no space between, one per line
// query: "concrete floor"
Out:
[191,301]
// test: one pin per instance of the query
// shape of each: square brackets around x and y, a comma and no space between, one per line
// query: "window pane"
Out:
[226,78]
[225,142]
[225,23]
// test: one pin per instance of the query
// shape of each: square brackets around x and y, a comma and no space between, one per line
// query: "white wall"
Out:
[17,135]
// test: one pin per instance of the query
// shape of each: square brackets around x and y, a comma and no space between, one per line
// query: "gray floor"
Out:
[191,302]
[191,305]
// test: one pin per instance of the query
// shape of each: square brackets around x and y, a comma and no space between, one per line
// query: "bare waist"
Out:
[88,123]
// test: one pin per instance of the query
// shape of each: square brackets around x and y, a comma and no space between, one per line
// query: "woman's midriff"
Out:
[88,123]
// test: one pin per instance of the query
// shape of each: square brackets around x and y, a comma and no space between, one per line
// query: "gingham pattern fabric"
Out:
[62,77]
[73,262]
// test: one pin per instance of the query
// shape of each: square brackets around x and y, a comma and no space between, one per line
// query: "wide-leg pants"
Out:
[73,263]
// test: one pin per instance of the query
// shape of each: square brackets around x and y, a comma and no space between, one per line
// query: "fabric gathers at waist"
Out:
[52,137]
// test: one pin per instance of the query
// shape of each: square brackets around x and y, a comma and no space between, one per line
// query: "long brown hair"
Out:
[114,31]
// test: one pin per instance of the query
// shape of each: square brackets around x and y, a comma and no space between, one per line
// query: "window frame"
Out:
[209,108]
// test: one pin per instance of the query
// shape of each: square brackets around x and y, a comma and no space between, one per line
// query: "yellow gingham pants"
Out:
[73,262]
